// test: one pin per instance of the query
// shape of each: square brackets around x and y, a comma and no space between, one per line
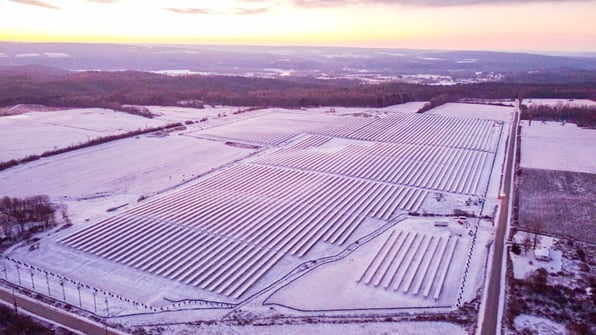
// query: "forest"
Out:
[116,90]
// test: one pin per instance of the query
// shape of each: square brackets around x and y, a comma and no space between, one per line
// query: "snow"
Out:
[524,264]
[409,107]
[560,102]
[367,328]
[37,132]
[93,180]
[312,291]
[474,111]
[214,114]
[90,181]
[542,326]
[56,54]
[467,61]
[27,55]
[556,146]
[139,166]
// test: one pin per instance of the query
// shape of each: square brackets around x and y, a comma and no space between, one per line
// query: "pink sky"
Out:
[439,24]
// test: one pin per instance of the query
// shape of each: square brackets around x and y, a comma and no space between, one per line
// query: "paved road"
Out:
[491,320]
[60,317]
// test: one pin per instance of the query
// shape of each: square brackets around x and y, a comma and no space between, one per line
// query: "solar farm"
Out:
[316,185]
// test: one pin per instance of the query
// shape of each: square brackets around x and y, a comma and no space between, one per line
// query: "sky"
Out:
[503,25]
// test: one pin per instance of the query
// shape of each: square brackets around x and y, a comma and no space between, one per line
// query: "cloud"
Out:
[37,3]
[202,11]
[251,11]
[205,11]
[417,3]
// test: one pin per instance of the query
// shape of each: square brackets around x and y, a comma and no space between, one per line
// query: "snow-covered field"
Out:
[409,107]
[367,328]
[557,146]
[118,173]
[239,203]
[36,132]
[560,102]
[474,111]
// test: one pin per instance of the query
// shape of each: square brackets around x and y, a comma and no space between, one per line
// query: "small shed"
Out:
[542,254]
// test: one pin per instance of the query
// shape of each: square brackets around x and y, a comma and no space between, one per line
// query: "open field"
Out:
[474,111]
[562,201]
[368,328]
[560,102]
[554,146]
[36,132]
[95,179]
[558,178]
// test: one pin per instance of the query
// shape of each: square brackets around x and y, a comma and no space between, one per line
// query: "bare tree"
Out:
[536,227]
[527,243]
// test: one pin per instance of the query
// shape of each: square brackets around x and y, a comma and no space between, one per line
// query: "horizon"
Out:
[545,52]
[544,27]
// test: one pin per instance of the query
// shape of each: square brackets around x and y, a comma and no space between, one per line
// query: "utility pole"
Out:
[19,273]
[79,289]
[14,302]
[32,281]
[5,271]
[63,293]
[107,308]
[48,283]
[94,300]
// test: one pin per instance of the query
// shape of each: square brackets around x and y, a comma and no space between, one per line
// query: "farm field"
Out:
[558,102]
[492,112]
[556,184]
[36,132]
[120,172]
[562,201]
[402,328]
[233,209]
[558,179]
[554,146]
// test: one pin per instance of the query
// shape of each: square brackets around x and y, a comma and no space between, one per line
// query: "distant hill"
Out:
[316,62]
[48,86]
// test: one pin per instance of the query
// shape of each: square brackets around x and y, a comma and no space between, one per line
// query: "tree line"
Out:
[582,115]
[115,90]
[21,217]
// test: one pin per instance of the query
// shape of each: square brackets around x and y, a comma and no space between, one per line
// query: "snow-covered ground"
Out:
[396,270]
[557,146]
[169,169]
[560,102]
[36,132]
[526,263]
[118,173]
[539,325]
[474,111]
[367,328]
[410,107]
